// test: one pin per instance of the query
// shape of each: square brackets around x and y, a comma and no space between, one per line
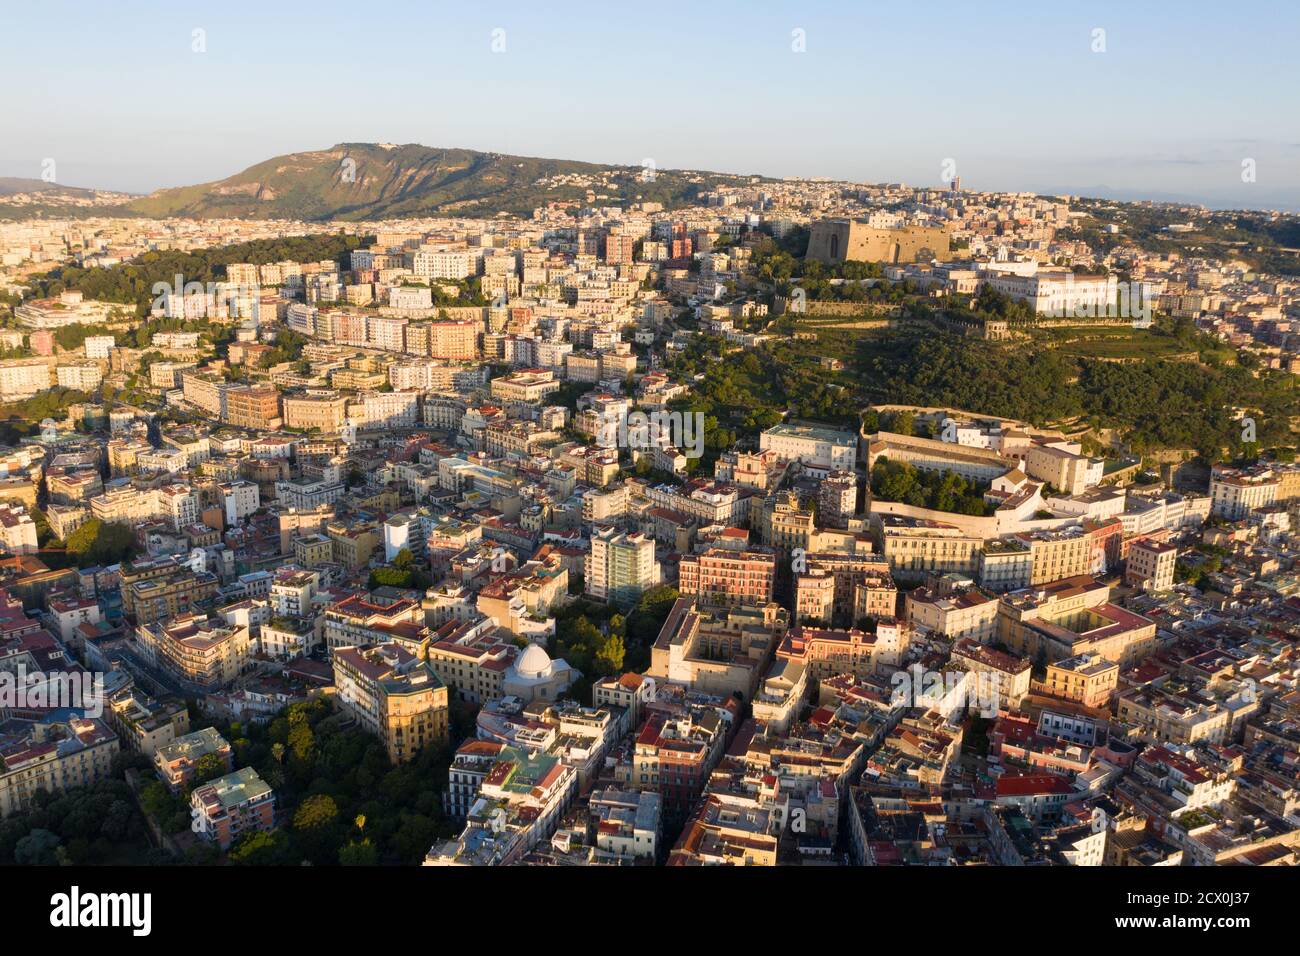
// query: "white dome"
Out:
[533,662]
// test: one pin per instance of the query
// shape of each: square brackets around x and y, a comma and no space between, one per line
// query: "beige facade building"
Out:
[1088,679]
[717,650]
[55,758]
[784,523]
[23,378]
[195,649]
[527,385]
[1151,564]
[1011,674]
[1065,471]
[1165,716]
[1055,555]
[814,597]
[972,614]
[915,547]
[839,240]
[825,652]
[471,659]
[860,586]
[394,694]
[1072,617]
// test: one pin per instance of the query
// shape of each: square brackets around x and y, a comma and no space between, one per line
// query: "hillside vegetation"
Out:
[360,181]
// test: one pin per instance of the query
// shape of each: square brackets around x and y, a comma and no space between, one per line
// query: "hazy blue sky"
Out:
[1012,91]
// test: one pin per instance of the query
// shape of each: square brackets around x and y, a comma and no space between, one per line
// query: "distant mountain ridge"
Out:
[16,185]
[353,181]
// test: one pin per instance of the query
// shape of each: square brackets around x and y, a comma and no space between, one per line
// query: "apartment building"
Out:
[442,263]
[124,455]
[626,823]
[52,758]
[826,652]
[363,619]
[177,762]
[915,547]
[306,494]
[240,501]
[155,598]
[858,584]
[199,651]
[70,612]
[598,467]
[1066,553]
[620,566]
[229,807]
[717,649]
[293,591]
[312,550]
[469,768]
[65,519]
[1005,564]
[98,346]
[388,409]
[421,374]
[22,378]
[1234,493]
[726,576]
[729,830]
[387,333]
[17,530]
[783,522]
[1087,679]
[814,597]
[1009,674]
[167,375]
[254,407]
[761,471]
[323,411]
[519,803]
[394,694]
[144,724]
[1071,617]
[673,755]
[79,376]
[354,542]
[527,385]
[472,659]
[205,391]
[971,614]
[1173,715]
[582,367]
[73,487]
[454,341]
[179,504]
[631,692]
[1151,564]
[837,499]
[1146,514]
